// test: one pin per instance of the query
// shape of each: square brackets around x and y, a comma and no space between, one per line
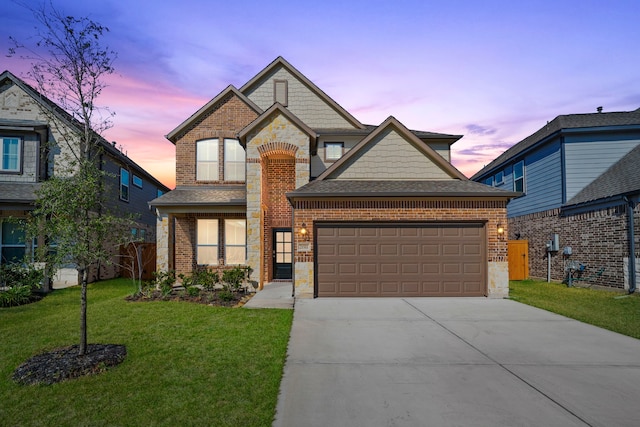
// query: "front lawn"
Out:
[611,310]
[186,364]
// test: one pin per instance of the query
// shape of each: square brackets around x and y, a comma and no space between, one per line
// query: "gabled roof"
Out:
[622,178]
[191,121]
[281,62]
[70,121]
[392,123]
[563,123]
[279,108]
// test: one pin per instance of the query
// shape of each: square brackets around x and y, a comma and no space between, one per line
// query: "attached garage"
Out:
[400,259]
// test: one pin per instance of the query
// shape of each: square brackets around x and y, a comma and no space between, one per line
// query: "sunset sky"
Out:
[494,71]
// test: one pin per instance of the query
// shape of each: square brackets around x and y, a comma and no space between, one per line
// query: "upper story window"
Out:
[234,156]
[137,181]
[489,181]
[518,177]
[124,184]
[10,149]
[333,150]
[207,160]
[159,192]
[499,178]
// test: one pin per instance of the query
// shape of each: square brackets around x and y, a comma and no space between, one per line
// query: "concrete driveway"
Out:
[453,362]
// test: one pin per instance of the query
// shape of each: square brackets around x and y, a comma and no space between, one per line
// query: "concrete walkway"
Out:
[273,295]
[453,362]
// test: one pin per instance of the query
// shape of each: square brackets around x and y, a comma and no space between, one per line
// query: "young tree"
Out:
[68,65]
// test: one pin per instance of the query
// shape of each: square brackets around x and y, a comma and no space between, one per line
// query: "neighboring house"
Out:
[27,132]
[579,176]
[277,176]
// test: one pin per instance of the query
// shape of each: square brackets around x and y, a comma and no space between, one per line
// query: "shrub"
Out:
[225,295]
[16,295]
[164,281]
[203,277]
[15,275]
[233,278]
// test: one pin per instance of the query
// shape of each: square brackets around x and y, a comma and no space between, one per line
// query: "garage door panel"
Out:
[369,268]
[409,249]
[388,249]
[390,288]
[418,260]
[389,268]
[366,249]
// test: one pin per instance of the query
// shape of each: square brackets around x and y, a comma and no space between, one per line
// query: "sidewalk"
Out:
[274,295]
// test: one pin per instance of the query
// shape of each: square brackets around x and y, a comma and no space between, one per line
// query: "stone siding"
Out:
[597,239]
[277,162]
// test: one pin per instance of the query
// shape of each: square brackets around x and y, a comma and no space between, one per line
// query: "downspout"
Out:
[631,239]
[293,250]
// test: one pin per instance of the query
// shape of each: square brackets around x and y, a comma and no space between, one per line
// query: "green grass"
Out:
[615,311]
[186,365]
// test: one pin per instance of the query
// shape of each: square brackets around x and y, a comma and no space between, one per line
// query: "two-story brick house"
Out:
[32,129]
[579,178]
[277,176]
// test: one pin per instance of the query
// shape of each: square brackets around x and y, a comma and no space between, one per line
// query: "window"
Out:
[499,178]
[207,242]
[124,184]
[11,152]
[235,241]
[333,150]
[489,181]
[159,192]
[207,160]
[233,161]
[12,242]
[137,181]
[280,92]
[518,177]
[143,234]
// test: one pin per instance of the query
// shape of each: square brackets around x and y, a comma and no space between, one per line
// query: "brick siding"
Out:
[597,239]
[493,212]
[225,120]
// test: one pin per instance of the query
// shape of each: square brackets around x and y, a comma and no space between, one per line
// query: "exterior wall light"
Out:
[500,230]
[304,233]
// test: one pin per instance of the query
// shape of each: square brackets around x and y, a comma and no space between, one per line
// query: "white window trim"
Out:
[216,169]
[228,245]
[227,162]
[208,245]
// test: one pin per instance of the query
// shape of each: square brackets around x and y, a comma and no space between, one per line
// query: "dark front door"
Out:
[282,253]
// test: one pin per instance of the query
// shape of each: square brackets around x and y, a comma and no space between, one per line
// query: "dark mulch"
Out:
[213,298]
[64,363]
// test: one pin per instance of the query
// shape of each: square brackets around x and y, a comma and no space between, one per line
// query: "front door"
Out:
[282,253]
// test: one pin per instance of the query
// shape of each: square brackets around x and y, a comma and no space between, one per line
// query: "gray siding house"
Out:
[27,132]
[577,175]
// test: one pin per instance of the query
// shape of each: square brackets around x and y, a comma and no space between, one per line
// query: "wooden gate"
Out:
[518,253]
[147,257]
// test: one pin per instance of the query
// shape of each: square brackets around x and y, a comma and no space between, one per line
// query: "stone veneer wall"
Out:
[275,141]
[493,212]
[597,239]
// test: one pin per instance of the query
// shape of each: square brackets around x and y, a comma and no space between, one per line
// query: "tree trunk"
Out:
[83,312]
